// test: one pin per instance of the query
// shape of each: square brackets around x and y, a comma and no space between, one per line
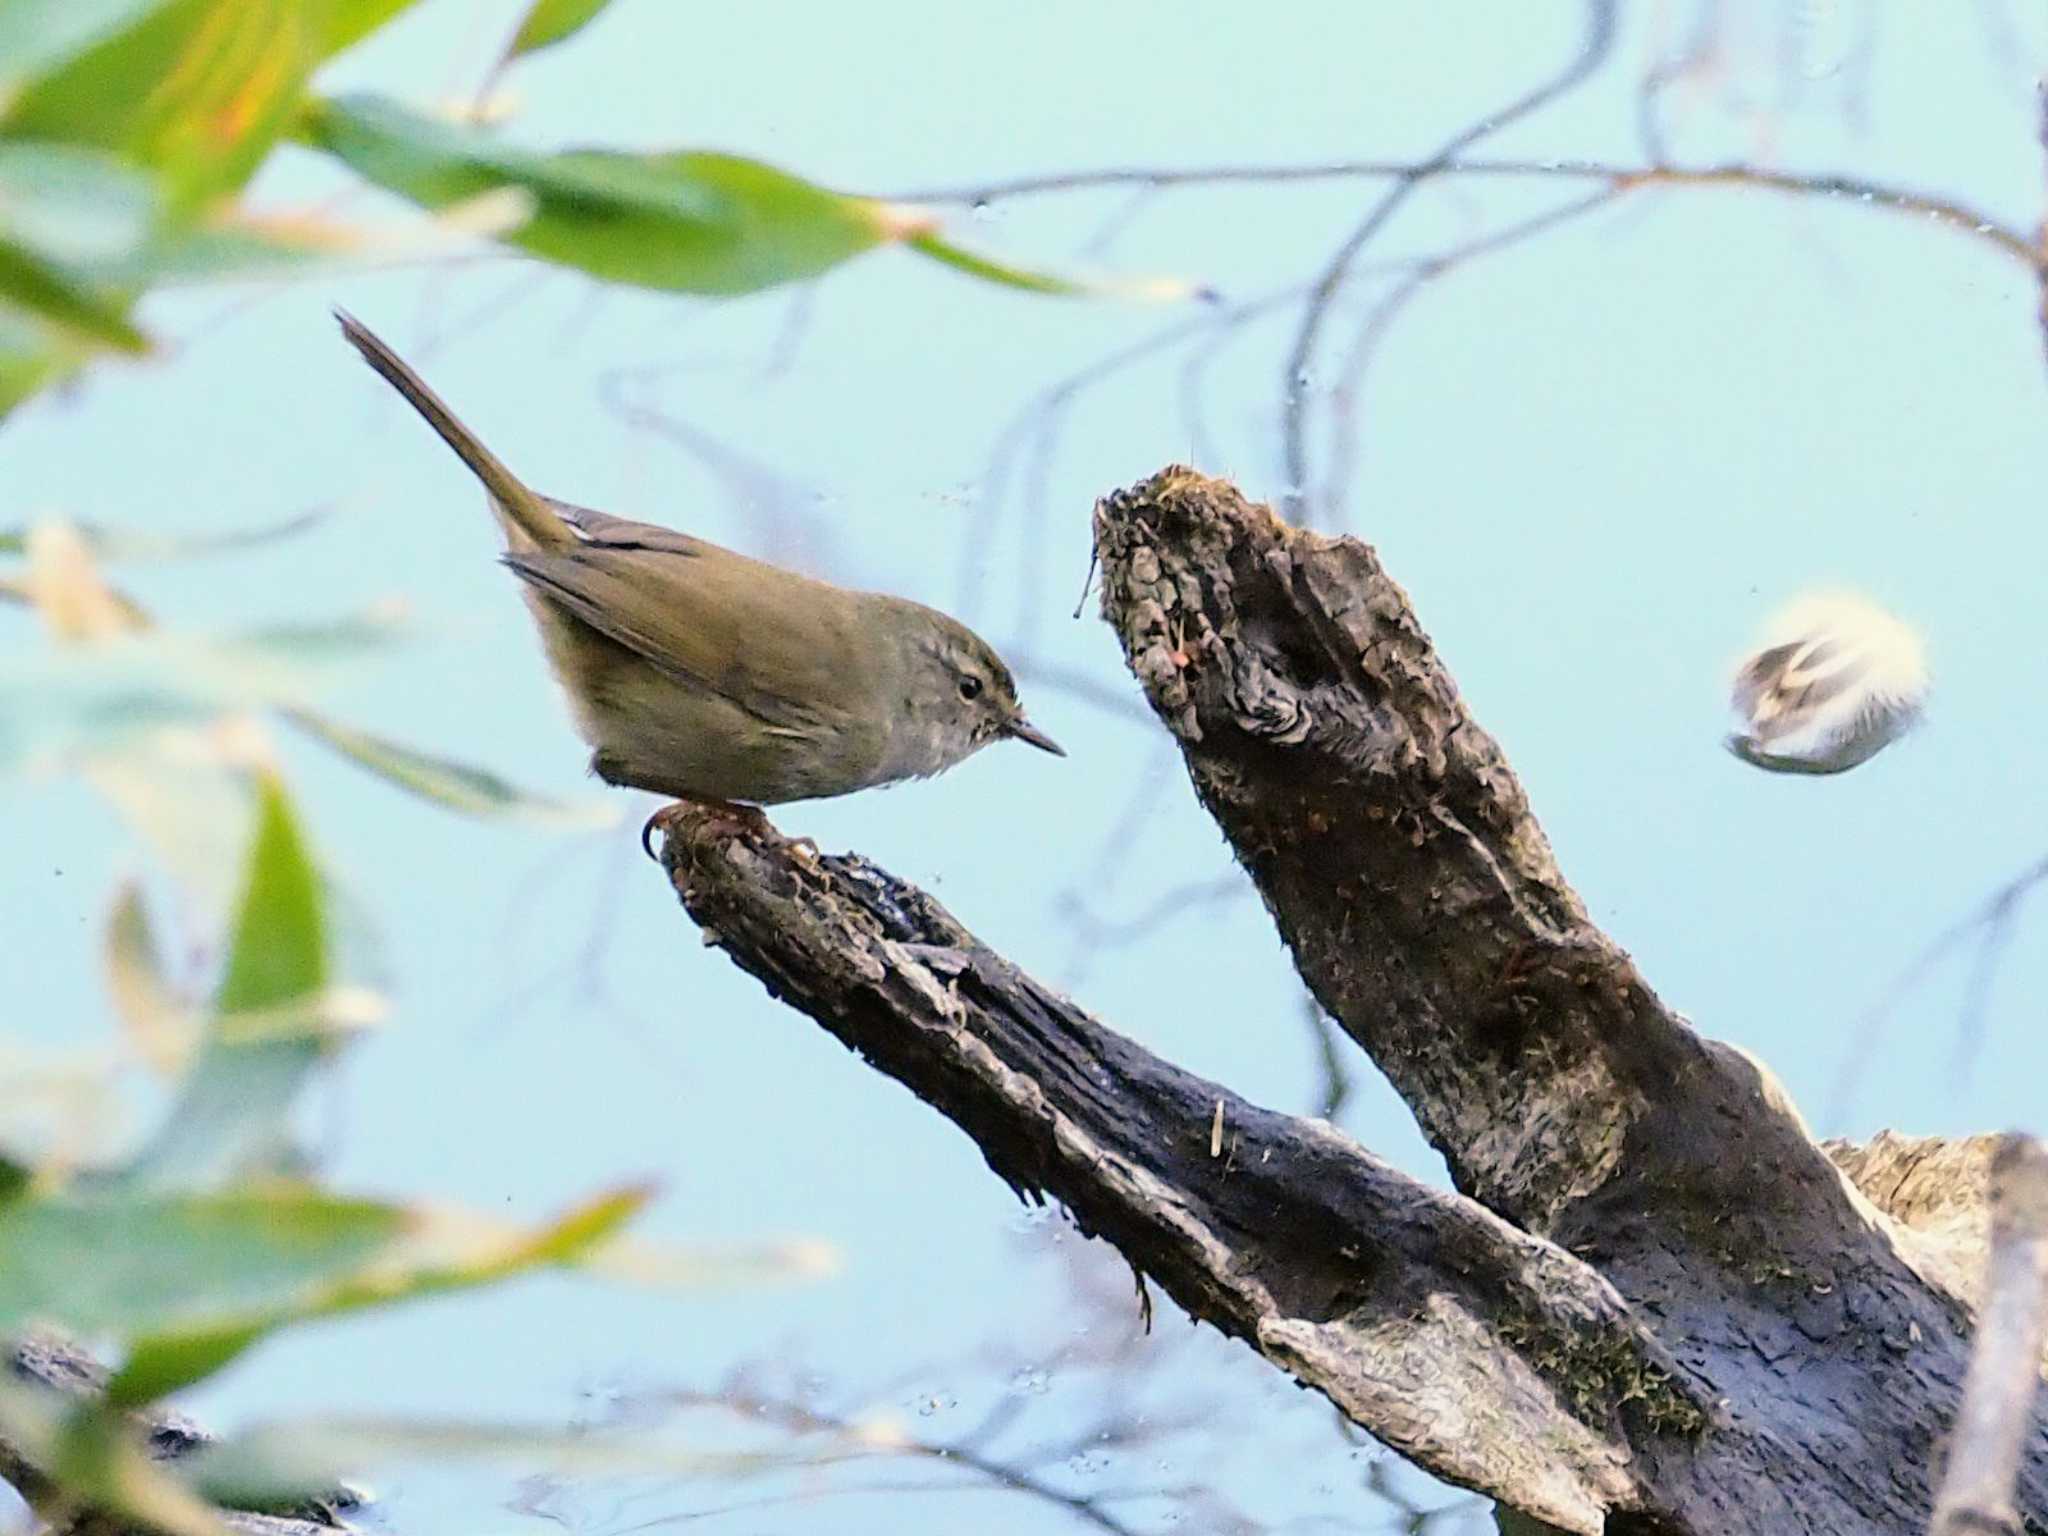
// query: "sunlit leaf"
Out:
[231,1111]
[37,36]
[92,1453]
[689,222]
[350,21]
[67,591]
[457,786]
[433,1252]
[198,90]
[548,22]
[153,1016]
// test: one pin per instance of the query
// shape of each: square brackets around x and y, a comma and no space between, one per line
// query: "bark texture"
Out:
[1654,1304]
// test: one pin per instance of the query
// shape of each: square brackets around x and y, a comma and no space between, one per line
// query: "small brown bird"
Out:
[699,673]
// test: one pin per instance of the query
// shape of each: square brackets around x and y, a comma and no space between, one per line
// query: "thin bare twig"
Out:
[1378,320]
[1947,211]
[2040,252]
[795,1418]
[1296,372]
[1868,1027]
[1036,421]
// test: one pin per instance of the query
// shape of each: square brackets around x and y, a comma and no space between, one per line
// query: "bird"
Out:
[1836,680]
[698,673]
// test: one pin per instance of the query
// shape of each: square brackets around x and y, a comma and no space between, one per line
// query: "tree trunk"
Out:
[1653,1304]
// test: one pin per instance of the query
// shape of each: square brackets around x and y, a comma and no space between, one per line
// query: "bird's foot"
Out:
[751,818]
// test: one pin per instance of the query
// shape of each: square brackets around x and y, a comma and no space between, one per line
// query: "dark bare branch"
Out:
[1493,1358]
[1681,1318]
[1406,871]
[1419,897]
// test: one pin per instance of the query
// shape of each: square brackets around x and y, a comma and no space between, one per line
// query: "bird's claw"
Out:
[750,817]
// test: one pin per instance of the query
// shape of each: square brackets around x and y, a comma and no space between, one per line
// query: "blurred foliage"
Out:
[183,1251]
[548,22]
[129,129]
[129,133]
[194,1247]
[161,720]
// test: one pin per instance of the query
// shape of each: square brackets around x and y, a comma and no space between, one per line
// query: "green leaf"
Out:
[37,36]
[14,1178]
[350,21]
[231,1112]
[685,222]
[132,1264]
[197,90]
[91,1452]
[548,22]
[31,359]
[1004,274]
[190,1280]
[458,786]
[439,1253]
[68,307]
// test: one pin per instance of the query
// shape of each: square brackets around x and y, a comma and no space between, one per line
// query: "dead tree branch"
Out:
[1656,1306]
[1492,1357]
[1997,1416]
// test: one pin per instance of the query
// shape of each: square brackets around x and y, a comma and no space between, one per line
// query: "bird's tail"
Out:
[524,512]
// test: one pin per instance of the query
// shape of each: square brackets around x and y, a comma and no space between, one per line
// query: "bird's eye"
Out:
[970,687]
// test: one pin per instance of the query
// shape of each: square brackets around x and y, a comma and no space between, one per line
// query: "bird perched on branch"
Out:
[696,672]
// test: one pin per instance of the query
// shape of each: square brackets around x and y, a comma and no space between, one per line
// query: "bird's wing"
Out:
[594,527]
[771,641]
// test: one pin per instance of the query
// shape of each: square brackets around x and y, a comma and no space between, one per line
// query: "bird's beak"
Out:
[1024,730]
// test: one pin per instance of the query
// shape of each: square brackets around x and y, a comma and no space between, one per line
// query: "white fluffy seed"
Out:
[1834,682]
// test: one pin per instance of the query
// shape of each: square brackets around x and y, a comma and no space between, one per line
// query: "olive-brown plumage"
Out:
[696,672]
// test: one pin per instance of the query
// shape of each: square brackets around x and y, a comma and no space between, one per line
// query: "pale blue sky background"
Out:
[1594,462]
